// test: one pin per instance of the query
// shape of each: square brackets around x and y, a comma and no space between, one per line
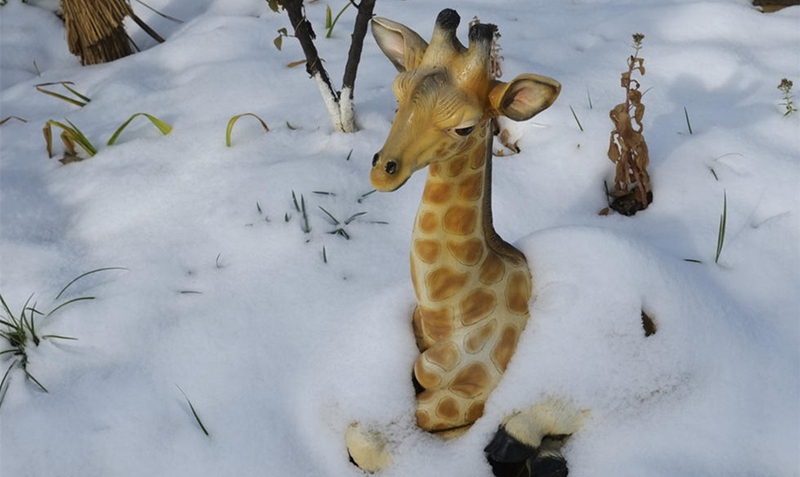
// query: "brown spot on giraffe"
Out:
[468,252]
[475,411]
[505,347]
[492,270]
[444,282]
[448,409]
[425,377]
[456,166]
[428,222]
[444,355]
[423,419]
[477,305]
[436,323]
[437,193]
[471,188]
[477,338]
[460,220]
[416,323]
[478,161]
[518,293]
[471,381]
[427,250]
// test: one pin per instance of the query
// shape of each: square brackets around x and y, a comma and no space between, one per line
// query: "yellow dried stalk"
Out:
[95,29]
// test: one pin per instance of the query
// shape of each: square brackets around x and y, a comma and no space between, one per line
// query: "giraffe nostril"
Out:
[391,167]
[375,159]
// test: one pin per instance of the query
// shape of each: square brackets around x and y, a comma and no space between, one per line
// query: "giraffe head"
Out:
[446,96]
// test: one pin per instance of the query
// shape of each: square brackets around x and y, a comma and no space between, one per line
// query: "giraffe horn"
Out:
[480,50]
[444,44]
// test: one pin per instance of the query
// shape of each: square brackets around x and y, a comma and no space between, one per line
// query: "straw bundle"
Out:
[95,29]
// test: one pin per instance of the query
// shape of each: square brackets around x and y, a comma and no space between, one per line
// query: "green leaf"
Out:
[233,121]
[72,133]
[161,125]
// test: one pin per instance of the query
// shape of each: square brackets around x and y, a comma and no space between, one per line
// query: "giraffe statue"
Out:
[472,288]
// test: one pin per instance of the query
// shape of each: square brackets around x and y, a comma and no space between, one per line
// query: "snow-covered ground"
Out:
[278,351]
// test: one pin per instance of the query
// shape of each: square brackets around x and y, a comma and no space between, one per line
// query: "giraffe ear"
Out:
[402,45]
[524,97]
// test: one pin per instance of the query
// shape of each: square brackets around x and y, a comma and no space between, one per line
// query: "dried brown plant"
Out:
[627,147]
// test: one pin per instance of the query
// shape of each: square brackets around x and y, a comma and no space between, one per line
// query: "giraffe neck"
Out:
[472,291]
[453,233]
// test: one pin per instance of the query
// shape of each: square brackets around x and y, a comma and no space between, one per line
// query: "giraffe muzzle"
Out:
[386,174]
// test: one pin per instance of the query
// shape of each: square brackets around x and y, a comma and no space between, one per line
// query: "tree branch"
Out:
[365,9]
[306,36]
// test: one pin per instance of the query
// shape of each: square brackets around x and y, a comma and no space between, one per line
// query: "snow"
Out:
[279,351]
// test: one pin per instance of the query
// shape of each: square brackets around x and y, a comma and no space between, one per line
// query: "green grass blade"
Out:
[60,337]
[84,98]
[81,139]
[161,125]
[364,196]
[233,121]
[333,219]
[29,322]
[84,275]
[30,376]
[576,118]
[9,324]
[3,382]
[75,135]
[61,96]
[197,417]
[354,217]
[9,314]
[162,15]
[294,199]
[688,124]
[69,302]
[723,219]
[8,118]
[306,227]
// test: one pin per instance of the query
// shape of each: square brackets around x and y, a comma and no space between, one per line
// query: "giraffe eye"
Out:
[464,131]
